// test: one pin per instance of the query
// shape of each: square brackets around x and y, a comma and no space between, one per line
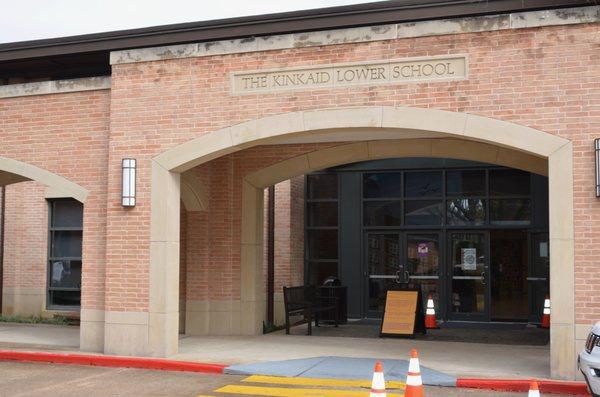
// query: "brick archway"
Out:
[457,135]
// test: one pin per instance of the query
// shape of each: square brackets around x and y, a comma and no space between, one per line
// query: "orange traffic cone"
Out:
[546,314]
[378,383]
[414,384]
[430,322]
[533,389]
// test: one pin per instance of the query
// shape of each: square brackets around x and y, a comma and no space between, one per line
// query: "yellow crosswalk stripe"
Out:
[319,382]
[292,392]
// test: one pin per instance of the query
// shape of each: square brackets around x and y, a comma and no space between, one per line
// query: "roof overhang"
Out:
[86,55]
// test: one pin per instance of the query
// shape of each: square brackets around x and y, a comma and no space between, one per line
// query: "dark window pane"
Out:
[67,213]
[318,272]
[322,186]
[66,244]
[465,211]
[423,212]
[423,184]
[510,211]
[383,254]
[322,244]
[65,298]
[509,183]
[322,214]
[378,288]
[465,183]
[383,213]
[65,273]
[382,184]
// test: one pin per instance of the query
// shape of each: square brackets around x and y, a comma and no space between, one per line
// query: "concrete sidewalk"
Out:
[39,336]
[454,358]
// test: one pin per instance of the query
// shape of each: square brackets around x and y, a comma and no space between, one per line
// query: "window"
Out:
[321,244]
[64,254]
[382,184]
[423,184]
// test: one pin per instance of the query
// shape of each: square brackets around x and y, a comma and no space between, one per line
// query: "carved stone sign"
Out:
[444,68]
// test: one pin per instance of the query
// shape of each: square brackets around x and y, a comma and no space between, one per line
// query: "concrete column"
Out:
[163,310]
[91,330]
[562,264]
[253,297]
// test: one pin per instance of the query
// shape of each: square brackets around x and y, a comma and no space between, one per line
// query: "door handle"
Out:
[483,278]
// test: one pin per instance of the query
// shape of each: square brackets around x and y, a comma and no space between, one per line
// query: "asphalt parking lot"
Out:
[28,379]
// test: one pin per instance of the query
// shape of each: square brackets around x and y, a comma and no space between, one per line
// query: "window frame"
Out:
[51,259]
[308,258]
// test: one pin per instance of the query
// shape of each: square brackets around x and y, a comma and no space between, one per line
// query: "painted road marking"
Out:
[285,392]
[319,382]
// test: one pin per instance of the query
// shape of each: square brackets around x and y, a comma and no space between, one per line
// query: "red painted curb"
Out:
[111,361]
[522,385]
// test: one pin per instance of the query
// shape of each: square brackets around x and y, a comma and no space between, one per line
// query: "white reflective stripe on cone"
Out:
[430,312]
[534,393]
[546,310]
[430,304]
[547,303]
[378,381]
[413,380]
[413,366]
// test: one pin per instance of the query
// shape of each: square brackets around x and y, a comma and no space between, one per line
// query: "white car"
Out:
[589,360]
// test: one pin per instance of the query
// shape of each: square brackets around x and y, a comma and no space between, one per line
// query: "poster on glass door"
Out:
[469,259]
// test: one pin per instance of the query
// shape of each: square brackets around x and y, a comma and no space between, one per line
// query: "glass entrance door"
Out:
[423,263]
[468,276]
[384,269]
[399,259]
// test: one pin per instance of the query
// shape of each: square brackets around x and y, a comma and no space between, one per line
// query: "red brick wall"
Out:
[66,134]
[289,232]
[542,78]
[25,247]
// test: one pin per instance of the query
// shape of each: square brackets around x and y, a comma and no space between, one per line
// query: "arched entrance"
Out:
[57,187]
[13,171]
[431,133]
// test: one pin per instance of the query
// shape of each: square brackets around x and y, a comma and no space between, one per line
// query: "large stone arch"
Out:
[432,133]
[13,171]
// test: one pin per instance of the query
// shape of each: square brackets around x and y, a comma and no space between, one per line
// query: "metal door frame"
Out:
[449,314]
[367,313]
[402,261]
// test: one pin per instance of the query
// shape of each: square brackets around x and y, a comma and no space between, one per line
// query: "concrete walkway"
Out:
[339,368]
[454,358]
[39,336]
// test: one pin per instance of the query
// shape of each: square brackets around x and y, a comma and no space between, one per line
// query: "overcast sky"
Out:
[39,19]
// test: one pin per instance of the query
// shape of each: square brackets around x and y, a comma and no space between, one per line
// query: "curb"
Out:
[522,385]
[111,361]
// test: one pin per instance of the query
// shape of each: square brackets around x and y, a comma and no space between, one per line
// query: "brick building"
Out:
[401,139]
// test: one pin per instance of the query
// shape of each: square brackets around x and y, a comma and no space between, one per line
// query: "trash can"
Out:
[332,287]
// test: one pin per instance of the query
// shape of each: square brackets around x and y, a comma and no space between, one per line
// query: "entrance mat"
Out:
[339,368]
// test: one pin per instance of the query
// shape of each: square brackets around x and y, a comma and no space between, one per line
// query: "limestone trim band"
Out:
[57,183]
[517,20]
[271,128]
[389,71]
[55,87]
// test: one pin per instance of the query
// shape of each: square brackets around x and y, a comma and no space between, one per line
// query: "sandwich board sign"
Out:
[403,314]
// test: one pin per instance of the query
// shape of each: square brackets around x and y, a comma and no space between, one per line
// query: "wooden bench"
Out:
[306,301]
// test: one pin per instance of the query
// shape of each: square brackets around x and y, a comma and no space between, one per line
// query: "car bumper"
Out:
[589,365]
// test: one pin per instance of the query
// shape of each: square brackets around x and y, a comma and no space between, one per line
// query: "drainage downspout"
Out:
[271,256]
[2,210]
